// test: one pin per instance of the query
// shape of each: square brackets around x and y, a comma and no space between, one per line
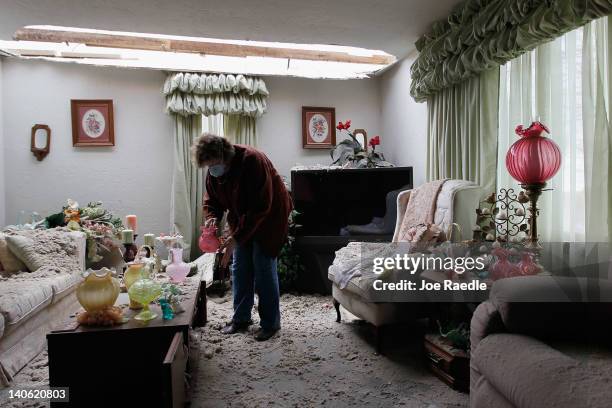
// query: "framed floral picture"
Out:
[92,122]
[318,127]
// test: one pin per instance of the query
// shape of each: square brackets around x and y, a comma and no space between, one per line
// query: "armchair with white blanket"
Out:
[451,202]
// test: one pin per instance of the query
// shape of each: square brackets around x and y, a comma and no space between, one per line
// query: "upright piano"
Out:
[329,199]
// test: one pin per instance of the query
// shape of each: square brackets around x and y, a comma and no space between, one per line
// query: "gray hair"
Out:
[211,147]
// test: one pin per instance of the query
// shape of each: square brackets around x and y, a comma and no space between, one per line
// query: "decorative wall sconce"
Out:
[40,143]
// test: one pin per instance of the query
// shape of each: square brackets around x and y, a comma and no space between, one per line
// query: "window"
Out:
[213,124]
[559,84]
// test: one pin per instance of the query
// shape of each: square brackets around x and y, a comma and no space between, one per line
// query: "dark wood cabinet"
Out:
[328,200]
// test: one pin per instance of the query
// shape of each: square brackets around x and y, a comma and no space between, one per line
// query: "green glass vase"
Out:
[144,291]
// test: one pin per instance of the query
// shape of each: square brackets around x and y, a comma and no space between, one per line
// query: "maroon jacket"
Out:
[256,197]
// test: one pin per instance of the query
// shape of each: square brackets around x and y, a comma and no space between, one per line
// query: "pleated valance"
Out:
[210,94]
[483,34]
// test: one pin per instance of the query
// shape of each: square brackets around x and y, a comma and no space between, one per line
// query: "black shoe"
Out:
[265,334]
[233,327]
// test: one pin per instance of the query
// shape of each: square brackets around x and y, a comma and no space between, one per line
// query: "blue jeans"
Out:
[253,270]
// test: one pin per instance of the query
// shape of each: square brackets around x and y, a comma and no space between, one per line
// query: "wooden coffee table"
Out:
[133,364]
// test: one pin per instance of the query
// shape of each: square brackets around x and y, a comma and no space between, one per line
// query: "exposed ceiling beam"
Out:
[199,47]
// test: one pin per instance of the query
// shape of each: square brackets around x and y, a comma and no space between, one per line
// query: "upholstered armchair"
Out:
[456,203]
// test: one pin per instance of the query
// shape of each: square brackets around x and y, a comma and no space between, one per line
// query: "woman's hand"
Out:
[228,246]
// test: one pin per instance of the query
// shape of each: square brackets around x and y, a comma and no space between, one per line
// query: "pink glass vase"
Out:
[503,268]
[208,241]
[177,270]
[527,266]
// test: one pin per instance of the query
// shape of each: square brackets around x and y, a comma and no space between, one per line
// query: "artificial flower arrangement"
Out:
[350,153]
[101,227]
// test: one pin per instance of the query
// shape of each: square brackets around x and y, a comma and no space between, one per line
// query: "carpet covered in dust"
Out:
[312,361]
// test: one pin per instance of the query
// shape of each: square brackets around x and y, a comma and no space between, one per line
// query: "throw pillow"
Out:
[22,248]
[50,248]
[10,263]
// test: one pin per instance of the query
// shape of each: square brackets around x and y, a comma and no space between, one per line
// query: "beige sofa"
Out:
[542,354]
[464,197]
[31,304]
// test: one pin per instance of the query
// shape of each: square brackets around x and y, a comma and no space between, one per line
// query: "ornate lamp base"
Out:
[533,192]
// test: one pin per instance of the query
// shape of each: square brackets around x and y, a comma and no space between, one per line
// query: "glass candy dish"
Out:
[144,291]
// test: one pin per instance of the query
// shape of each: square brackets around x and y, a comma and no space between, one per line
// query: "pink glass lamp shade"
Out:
[533,159]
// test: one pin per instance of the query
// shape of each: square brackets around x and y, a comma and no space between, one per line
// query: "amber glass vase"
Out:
[98,290]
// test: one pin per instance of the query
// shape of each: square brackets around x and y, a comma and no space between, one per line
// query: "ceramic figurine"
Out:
[171,294]
[167,313]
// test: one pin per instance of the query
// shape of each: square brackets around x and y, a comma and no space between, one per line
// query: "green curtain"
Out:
[187,184]
[240,129]
[213,124]
[596,98]
[210,94]
[482,34]
[565,84]
[240,99]
[462,129]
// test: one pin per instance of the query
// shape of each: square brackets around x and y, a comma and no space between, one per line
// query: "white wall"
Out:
[403,121]
[135,175]
[280,130]
[132,177]
[2,160]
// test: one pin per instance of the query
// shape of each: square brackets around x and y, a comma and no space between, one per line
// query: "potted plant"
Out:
[350,153]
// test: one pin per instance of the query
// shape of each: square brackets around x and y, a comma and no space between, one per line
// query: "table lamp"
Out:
[532,161]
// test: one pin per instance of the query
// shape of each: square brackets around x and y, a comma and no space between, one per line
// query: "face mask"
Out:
[217,170]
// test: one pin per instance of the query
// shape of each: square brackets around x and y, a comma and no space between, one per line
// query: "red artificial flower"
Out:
[375,141]
[344,126]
